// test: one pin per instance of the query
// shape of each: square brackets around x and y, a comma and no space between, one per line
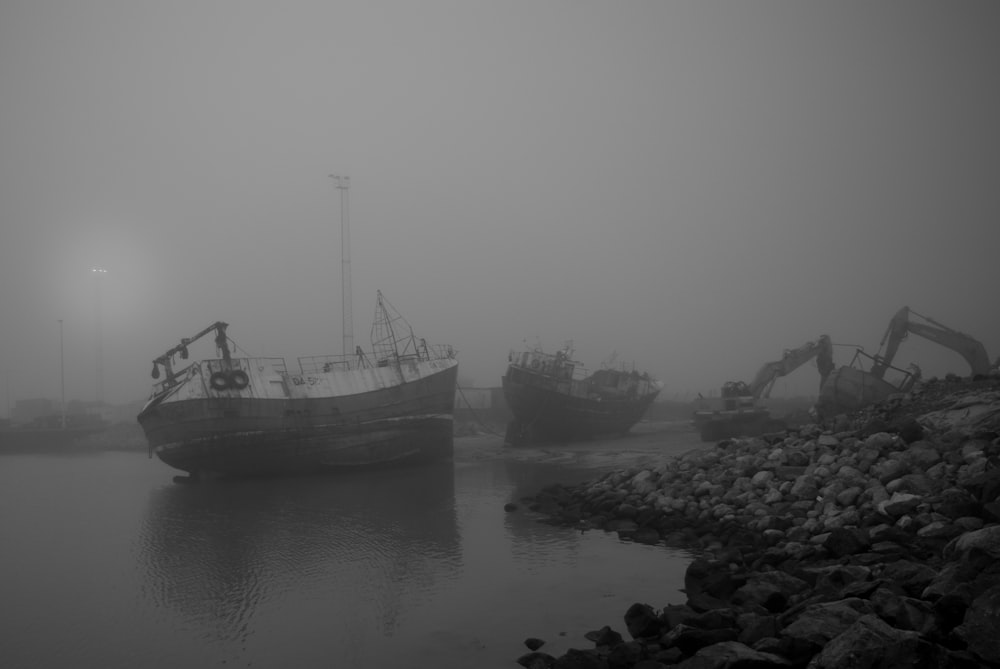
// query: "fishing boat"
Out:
[862,383]
[555,398]
[231,416]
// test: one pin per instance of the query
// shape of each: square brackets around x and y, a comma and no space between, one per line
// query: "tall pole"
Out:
[99,273]
[344,185]
[62,377]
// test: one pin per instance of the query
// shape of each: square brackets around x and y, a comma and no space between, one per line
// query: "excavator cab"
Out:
[736,395]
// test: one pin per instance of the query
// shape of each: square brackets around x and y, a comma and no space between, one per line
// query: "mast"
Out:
[343,185]
[62,378]
[99,273]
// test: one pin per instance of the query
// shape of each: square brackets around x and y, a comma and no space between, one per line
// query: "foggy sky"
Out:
[695,186]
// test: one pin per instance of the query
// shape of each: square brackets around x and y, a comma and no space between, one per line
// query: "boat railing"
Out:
[440,352]
[318,364]
[901,379]
[261,365]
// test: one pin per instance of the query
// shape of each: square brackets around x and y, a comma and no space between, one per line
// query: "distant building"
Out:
[27,411]
[44,412]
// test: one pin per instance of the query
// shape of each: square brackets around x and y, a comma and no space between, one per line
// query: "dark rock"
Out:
[605,637]
[668,656]
[580,659]
[912,577]
[905,613]
[954,580]
[957,503]
[642,621]
[646,535]
[870,643]
[908,429]
[753,627]
[533,644]
[536,661]
[733,655]
[704,602]
[712,620]
[985,541]
[510,506]
[981,628]
[770,589]
[690,639]
[861,589]
[820,623]
[984,487]
[844,541]
[673,615]
[712,578]
[950,610]
[833,579]
[873,427]
[626,655]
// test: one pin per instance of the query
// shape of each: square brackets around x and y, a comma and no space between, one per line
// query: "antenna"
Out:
[62,379]
[99,273]
[344,185]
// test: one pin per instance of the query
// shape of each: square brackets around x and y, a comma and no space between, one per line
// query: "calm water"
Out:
[108,563]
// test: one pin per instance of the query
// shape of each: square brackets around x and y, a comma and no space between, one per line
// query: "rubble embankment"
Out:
[871,543]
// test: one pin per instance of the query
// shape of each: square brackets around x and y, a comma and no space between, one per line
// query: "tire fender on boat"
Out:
[238,379]
[218,381]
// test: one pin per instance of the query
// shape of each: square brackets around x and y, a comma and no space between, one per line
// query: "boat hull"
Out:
[848,389]
[368,418]
[546,414]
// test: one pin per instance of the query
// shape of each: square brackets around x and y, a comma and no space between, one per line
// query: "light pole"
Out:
[62,377]
[99,273]
[343,185]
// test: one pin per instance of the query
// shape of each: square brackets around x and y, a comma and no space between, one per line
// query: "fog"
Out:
[691,187]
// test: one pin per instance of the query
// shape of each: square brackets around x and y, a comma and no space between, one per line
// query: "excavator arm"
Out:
[821,349]
[902,324]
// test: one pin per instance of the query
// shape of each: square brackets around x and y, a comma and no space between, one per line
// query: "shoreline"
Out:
[872,541]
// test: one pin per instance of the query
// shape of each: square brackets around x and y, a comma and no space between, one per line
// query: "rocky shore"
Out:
[870,542]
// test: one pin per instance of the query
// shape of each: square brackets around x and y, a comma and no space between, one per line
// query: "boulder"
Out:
[770,589]
[846,541]
[691,639]
[981,625]
[871,643]
[733,655]
[642,621]
[986,540]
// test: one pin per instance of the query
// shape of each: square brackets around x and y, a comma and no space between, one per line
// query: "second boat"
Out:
[555,398]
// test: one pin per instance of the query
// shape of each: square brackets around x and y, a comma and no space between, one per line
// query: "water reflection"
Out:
[230,555]
[530,540]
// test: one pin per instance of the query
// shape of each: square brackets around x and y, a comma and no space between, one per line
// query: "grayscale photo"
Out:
[553,334]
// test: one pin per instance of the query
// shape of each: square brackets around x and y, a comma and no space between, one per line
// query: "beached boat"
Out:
[862,383]
[253,416]
[555,398]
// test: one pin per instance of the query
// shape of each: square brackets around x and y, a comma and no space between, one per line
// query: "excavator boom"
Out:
[902,324]
[821,349]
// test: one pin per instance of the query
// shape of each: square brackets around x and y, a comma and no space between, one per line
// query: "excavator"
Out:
[901,325]
[850,387]
[741,413]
